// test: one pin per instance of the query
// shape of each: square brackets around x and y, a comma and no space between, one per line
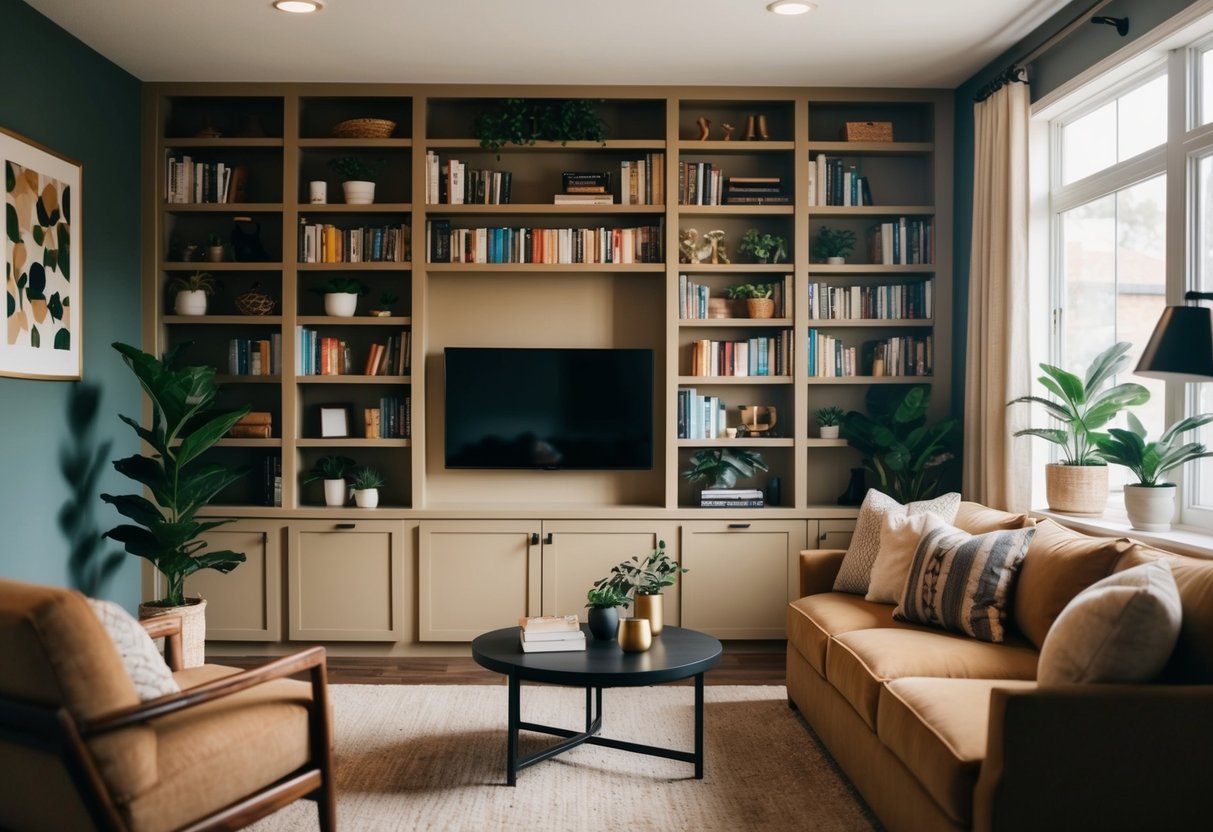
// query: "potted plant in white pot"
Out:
[1079,483]
[165,531]
[333,470]
[365,485]
[1150,502]
[341,296]
[358,175]
[833,246]
[603,601]
[190,293]
[829,421]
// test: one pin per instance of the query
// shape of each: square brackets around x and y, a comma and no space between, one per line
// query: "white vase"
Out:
[1150,508]
[340,304]
[358,193]
[335,492]
[836,261]
[190,302]
[366,497]
[829,431]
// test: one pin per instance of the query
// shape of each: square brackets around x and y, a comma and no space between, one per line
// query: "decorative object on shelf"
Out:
[603,600]
[731,433]
[726,307]
[857,488]
[635,635]
[363,128]
[190,293]
[1079,483]
[762,247]
[255,302]
[208,131]
[214,248]
[759,419]
[333,470]
[387,300]
[721,467]
[829,421]
[645,579]
[750,133]
[710,249]
[867,131]
[358,175]
[341,296]
[522,121]
[774,492]
[1150,502]
[705,127]
[189,253]
[834,246]
[365,484]
[335,421]
[897,444]
[184,427]
[317,192]
[757,297]
[727,129]
[762,128]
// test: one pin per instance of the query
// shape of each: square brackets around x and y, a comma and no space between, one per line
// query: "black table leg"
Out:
[698,726]
[511,754]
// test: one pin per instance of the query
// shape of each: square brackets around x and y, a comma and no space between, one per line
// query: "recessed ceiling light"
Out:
[790,7]
[298,6]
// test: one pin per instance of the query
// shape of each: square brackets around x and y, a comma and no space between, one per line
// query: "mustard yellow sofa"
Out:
[940,731]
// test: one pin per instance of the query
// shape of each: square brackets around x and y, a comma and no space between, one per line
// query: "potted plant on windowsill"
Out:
[1079,483]
[333,470]
[1150,502]
[191,293]
[358,175]
[762,247]
[341,296]
[365,485]
[829,421]
[833,246]
[165,531]
[603,601]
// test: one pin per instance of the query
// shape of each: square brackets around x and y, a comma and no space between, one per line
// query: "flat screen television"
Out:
[553,409]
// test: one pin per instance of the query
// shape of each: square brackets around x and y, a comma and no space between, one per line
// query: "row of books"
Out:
[445,244]
[831,182]
[693,297]
[730,498]
[188,180]
[700,417]
[326,243]
[256,424]
[901,355]
[551,634]
[642,181]
[322,355]
[255,356]
[902,242]
[392,419]
[905,301]
[271,478]
[764,355]
[451,183]
[391,358]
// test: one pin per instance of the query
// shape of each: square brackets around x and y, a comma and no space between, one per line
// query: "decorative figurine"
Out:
[749,128]
[719,253]
[762,127]
[705,124]
[728,131]
[707,249]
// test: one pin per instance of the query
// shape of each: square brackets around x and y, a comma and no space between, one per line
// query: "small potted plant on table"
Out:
[829,421]
[333,470]
[603,601]
[365,485]
[359,175]
[341,296]
[834,246]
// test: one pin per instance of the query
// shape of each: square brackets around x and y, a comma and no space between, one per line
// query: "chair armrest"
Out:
[167,627]
[818,569]
[1096,757]
[312,660]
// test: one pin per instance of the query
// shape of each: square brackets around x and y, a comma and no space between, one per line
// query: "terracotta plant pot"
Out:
[760,307]
[1077,489]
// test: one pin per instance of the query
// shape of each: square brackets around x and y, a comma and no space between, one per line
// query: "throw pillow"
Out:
[962,582]
[143,662]
[1120,629]
[899,537]
[855,573]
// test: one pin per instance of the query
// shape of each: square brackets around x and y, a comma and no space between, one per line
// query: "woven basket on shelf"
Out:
[364,128]
[868,131]
[255,302]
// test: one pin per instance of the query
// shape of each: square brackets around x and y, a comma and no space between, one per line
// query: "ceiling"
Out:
[932,43]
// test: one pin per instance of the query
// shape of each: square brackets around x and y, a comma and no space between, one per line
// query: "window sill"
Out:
[1186,540]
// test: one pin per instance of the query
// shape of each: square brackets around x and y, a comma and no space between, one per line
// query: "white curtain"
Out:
[997,368]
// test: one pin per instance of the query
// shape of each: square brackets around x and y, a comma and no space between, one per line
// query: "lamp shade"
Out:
[1181,347]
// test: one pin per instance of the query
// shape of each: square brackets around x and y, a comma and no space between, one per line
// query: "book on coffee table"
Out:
[550,624]
[551,642]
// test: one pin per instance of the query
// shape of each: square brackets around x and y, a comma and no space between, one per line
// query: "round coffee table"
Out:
[676,654]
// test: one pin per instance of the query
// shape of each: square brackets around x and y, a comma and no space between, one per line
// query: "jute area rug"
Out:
[432,757]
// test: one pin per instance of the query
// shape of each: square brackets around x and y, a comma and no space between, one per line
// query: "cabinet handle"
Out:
[534,538]
[345,525]
[548,540]
[739,525]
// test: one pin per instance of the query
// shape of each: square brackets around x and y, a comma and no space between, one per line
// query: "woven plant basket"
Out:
[193,628]
[255,302]
[868,131]
[364,128]
[760,307]
[1077,489]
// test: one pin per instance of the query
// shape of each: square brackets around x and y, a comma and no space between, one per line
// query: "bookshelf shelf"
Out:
[338,144]
[872,148]
[749,323]
[714,146]
[224,266]
[249,443]
[711,380]
[747,442]
[305,208]
[871,268]
[523,268]
[372,266]
[220,143]
[222,208]
[845,380]
[870,322]
[230,320]
[352,379]
[352,442]
[735,210]
[540,208]
[546,147]
[871,210]
[825,443]
[361,320]
[234,379]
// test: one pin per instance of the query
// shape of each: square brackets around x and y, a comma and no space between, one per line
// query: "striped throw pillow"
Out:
[962,582]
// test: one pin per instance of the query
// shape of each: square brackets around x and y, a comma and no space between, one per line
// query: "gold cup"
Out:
[635,635]
[649,606]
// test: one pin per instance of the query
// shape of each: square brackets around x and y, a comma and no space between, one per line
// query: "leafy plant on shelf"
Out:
[366,477]
[184,427]
[829,416]
[764,248]
[331,467]
[386,301]
[606,596]
[355,168]
[833,243]
[196,282]
[722,467]
[522,121]
[340,285]
[1150,461]
[642,576]
[743,291]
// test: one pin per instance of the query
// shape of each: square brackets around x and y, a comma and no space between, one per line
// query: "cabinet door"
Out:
[579,552]
[348,581]
[475,576]
[834,534]
[742,576]
[246,603]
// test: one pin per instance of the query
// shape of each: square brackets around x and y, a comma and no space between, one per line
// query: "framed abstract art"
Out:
[42,279]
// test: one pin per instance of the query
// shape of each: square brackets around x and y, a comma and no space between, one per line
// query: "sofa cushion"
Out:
[939,729]
[899,538]
[856,569]
[962,582]
[1060,563]
[140,658]
[1120,629]
[975,518]
[859,662]
[814,618]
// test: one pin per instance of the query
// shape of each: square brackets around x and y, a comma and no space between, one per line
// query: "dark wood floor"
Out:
[737,667]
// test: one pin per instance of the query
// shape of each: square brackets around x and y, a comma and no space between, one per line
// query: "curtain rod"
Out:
[1015,72]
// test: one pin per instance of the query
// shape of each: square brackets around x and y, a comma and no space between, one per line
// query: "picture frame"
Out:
[44,313]
[335,421]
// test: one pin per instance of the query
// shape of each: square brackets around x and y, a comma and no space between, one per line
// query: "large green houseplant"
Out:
[184,426]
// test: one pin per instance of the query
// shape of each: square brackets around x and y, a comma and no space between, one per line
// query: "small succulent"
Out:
[329,468]
[829,416]
[354,168]
[196,282]
[366,477]
[833,243]
[743,291]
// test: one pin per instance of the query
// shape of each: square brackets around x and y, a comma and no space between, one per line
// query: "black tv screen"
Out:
[549,408]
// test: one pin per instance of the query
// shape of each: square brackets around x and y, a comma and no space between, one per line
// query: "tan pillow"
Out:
[899,536]
[975,518]
[1120,629]
[856,571]
[1060,564]
[143,662]
[1192,661]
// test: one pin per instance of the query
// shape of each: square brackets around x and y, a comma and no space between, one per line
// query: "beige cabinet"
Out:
[246,603]
[831,534]
[350,580]
[742,576]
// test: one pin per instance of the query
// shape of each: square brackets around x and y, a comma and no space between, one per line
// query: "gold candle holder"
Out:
[635,635]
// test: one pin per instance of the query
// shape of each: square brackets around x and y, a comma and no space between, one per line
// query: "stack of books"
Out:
[256,424]
[582,188]
[551,634]
[755,190]
[730,498]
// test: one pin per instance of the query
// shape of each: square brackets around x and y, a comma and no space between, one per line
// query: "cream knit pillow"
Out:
[143,662]
[855,573]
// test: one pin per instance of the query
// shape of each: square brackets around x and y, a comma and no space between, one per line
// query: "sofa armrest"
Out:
[1096,757]
[818,569]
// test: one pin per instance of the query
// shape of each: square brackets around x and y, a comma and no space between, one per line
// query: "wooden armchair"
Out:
[80,751]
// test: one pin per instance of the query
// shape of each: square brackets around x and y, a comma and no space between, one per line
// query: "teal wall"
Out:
[62,94]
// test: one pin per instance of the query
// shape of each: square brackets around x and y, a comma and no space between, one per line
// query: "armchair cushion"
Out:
[142,661]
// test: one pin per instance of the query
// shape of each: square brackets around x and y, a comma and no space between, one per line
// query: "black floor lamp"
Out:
[1181,347]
